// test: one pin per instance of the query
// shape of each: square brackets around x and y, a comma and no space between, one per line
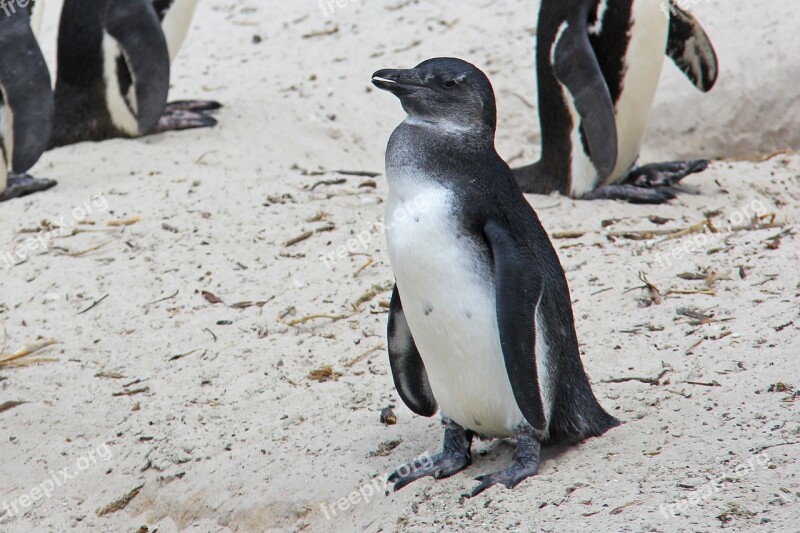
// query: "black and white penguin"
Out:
[598,66]
[481,324]
[26,105]
[114,68]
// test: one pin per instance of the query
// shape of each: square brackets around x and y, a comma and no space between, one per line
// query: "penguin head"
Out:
[445,91]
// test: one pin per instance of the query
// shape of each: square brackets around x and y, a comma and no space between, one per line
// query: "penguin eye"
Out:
[450,84]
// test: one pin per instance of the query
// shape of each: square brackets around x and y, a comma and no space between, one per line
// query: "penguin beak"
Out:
[398,81]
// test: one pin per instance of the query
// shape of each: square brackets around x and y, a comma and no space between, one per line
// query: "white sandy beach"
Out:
[208,408]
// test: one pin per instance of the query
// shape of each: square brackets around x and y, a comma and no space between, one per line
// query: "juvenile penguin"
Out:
[26,106]
[480,321]
[598,64]
[114,68]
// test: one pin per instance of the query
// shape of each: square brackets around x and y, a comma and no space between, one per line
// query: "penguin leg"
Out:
[454,457]
[663,174]
[630,193]
[23,185]
[526,464]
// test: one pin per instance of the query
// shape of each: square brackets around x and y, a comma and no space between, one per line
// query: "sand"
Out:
[161,410]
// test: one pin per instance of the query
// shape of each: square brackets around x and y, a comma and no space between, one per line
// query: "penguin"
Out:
[598,66]
[26,105]
[114,67]
[480,320]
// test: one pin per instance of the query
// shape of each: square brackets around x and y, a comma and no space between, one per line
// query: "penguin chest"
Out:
[447,289]
[644,58]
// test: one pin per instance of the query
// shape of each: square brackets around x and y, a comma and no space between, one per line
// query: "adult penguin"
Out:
[598,67]
[114,68]
[26,104]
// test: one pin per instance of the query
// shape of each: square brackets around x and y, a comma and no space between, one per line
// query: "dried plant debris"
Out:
[364,355]
[385,448]
[309,318]
[654,295]
[120,503]
[780,387]
[19,358]
[649,381]
[374,291]
[324,373]
[211,297]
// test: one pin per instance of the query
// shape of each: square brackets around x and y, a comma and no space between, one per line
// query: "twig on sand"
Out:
[300,238]
[363,267]
[13,359]
[648,381]
[358,359]
[95,304]
[164,299]
[86,251]
[308,318]
[120,503]
[124,221]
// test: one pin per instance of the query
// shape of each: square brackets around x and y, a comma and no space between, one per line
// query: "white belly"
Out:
[644,59]
[449,301]
[176,24]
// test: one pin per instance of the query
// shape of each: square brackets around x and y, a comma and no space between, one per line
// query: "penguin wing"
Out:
[518,290]
[575,66]
[26,91]
[135,26]
[408,370]
[691,49]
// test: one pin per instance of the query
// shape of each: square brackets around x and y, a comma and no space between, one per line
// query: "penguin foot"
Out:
[664,174]
[198,106]
[183,120]
[525,465]
[23,185]
[454,457]
[630,193]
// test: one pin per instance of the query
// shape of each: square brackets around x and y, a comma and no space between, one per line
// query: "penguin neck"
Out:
[477,137]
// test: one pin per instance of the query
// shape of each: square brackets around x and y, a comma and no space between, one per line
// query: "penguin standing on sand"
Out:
[480,321]
[114,69]
[598,64]
[26,105]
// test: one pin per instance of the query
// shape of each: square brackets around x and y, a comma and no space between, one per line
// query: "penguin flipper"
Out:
[26,90]
[691,49]
[576,68]
[519,288]
[408,370]
[135,26]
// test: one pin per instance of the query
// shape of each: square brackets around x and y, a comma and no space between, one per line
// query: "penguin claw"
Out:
[23,185]
[439,466]
[198,106]
[664,174]
[631,193]
[525,465]
[183,120]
